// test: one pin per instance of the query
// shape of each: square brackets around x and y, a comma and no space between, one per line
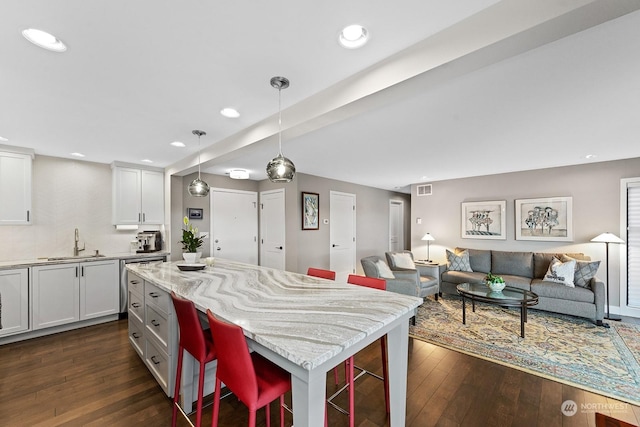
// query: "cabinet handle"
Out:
[139,217]
[76,271]
[155,362]
[144,217]
[27,216]
[134,282]
[135,335]
[155,323]
[154,294]
[135,305]
[82,271]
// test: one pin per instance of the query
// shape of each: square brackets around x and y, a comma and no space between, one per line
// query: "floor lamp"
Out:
[428,237]
[607,238]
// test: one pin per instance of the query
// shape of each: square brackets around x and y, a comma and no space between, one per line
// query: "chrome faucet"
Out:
[76,249]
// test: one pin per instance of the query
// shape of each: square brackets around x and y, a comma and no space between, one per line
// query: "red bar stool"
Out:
[197,342]
[375,283]
[324,274]
[252,378]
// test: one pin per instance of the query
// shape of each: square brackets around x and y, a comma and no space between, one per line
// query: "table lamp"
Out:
[607,238]
[428,237]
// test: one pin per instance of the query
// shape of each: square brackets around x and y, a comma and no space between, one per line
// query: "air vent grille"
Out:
[425,190]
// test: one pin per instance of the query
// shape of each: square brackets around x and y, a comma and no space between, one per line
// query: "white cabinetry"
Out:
[153,330]
[138,195]
[66,293]
[14,291]
[15,188]
[99,289]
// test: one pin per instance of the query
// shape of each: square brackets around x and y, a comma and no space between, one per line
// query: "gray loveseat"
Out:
[526,270]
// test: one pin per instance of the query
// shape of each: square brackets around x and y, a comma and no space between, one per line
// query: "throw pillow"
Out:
[458,262]
[585,270]
[384,271]
[403,260]
[561,272]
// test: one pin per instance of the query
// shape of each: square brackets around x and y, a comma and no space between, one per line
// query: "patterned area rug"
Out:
[562,348]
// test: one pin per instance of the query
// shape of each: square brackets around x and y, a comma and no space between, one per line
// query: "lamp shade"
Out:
[427,236]
[607,238]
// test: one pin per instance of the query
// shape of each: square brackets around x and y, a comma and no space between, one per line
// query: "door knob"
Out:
[218,248]
[279,247]
[334,245]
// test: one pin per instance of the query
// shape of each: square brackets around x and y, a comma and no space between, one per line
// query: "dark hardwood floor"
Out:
[92,377]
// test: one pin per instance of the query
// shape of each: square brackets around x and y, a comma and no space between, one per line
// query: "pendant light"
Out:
[198,188]
[280,169]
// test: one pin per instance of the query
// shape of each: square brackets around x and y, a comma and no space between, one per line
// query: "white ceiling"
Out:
[442,90]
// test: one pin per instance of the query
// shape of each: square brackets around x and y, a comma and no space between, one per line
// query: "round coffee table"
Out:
[508,297]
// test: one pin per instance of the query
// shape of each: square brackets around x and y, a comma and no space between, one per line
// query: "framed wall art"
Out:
[484,220]
[195,213]
[547,219]
[310,211]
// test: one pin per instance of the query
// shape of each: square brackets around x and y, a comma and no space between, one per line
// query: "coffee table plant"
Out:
[494,282]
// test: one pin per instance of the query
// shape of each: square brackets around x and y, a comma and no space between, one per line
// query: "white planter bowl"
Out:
[191,257]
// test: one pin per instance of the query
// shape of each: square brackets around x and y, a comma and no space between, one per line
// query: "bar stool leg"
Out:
[176,392]
[385,371]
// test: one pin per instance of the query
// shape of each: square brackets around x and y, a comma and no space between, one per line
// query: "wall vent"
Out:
[425,190]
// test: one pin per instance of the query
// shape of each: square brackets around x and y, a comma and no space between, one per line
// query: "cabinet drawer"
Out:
[136,306]
[158,363]
[136,337]
[158,297]
[158,325]
[136,284]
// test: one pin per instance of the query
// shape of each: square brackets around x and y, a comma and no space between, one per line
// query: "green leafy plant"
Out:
[190,239]
[492,278]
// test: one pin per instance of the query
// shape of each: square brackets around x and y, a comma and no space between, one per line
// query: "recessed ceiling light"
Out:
[239,174]
[2,138]
[77,154]
[178,144]
[146,161]
[44,40]
[229,112]
[590,156]
[353,36]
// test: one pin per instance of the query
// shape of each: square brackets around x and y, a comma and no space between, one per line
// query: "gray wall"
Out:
[595,189]
[303,248]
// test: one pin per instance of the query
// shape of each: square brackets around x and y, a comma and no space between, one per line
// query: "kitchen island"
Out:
[304,324]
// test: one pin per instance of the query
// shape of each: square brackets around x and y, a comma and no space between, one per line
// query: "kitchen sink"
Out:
[64,258]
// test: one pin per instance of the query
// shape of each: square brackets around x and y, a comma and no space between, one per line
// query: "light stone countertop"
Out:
[305,319]
[7,265]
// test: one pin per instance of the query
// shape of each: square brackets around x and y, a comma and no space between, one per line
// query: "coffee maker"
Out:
[149,241]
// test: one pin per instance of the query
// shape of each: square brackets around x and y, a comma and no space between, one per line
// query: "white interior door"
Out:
[234,225]
[342,235]
[272,229]
[396,225]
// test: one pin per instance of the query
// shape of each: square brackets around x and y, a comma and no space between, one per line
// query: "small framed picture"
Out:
[310,211]
[195,213]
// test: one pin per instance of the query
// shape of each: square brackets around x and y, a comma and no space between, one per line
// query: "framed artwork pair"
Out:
[543,219]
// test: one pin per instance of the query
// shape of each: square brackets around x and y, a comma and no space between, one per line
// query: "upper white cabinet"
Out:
[15,188]
[138,195]
[14,290]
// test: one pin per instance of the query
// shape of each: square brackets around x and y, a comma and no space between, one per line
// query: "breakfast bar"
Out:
[304,324]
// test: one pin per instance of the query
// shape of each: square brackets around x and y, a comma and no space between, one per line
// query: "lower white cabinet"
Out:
[153,330]
[14,292]
[66,293]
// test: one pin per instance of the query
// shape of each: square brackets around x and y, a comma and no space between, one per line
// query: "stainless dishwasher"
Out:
[124,296]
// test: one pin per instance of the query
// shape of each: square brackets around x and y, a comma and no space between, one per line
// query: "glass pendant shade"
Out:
[198,188]
[280,169]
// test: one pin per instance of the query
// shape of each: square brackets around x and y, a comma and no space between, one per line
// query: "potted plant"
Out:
[495,283]
[191,241]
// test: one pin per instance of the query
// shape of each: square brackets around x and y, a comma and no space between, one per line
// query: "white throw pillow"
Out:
[384,270]
[403,260]
[561,272]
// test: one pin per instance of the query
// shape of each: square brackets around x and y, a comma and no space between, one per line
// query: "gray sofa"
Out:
[526,270]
